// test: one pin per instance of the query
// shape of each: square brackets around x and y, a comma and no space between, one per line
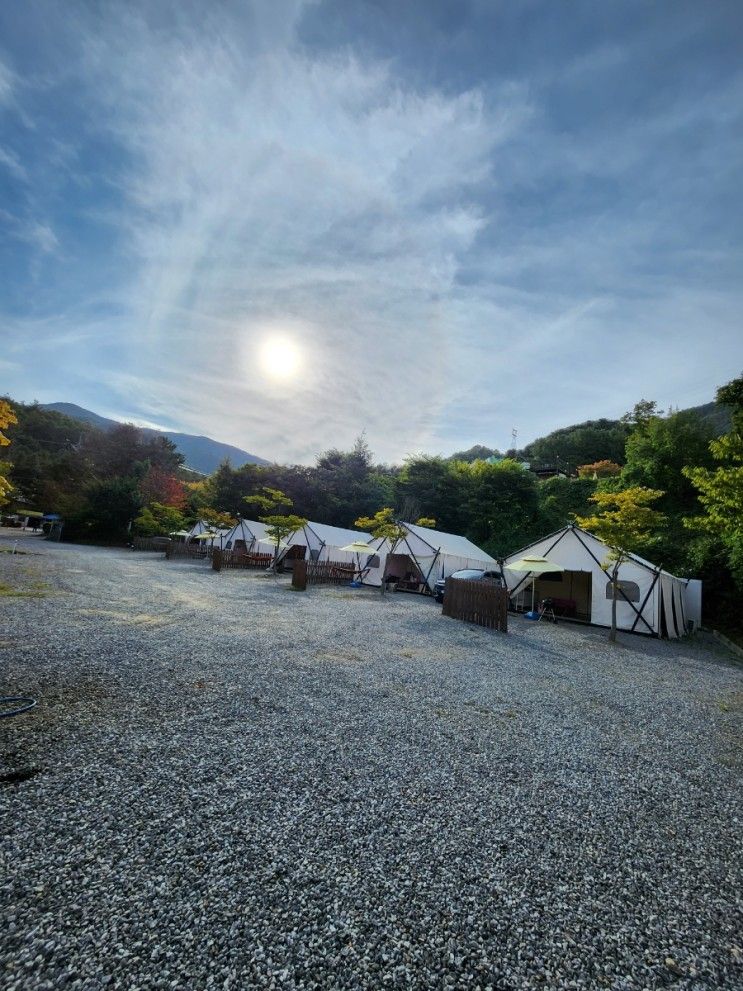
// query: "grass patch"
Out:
[37,590]
[9,550]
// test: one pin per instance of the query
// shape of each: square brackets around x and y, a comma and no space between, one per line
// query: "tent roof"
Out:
[249,529]
[448,543]
[648,565]
[336,536]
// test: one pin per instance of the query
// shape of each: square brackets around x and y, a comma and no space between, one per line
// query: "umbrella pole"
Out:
[533,585]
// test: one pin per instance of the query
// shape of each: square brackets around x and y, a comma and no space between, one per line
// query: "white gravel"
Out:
[240,786]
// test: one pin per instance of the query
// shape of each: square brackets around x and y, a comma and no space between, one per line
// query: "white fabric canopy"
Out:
[660,603]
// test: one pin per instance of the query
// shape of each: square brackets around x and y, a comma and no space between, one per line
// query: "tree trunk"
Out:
[613,630]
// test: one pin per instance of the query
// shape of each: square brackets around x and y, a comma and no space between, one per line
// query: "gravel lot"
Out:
[240,786]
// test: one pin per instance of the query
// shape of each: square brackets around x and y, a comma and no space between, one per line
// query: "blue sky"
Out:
[463,217]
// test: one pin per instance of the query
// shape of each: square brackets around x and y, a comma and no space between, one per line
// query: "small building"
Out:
[650,601]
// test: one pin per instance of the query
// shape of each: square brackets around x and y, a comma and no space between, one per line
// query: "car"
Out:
[470,574]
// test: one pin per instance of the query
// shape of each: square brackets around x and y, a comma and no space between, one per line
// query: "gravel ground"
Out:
[240,786]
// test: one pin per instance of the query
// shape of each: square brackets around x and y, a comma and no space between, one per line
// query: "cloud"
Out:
[270,189]
[452,258]
[12,163]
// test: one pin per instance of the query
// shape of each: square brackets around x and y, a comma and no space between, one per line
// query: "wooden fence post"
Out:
[217,559]
[299,575]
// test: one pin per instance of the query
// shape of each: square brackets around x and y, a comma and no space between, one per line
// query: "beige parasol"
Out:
[536,565]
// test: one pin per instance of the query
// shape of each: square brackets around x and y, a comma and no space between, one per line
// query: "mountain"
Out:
[201,453]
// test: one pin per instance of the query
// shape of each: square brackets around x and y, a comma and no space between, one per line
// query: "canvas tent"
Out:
[650,600]
[322,542]
[200,527]
[249,536]
[433,554]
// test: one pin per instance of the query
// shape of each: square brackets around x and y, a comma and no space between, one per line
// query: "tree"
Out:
[720,490]
[502,506]
[561,500]
[599,469]
[7,419]
[626,522]
[160,486]
[278,525]
[641,414]
[159,520]
[348,482]
[220,521]
[656,454]
[478,452]
[50,469]
[110,506]
[580,444]
[433,486]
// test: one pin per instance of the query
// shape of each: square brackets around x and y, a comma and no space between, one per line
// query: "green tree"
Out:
[580,444]
[279,525]
[434,486]
[641,414]
[561,499]
[478,452]
[349,483]
[159,520]
[656,453]
[502,506]
[720,489]
[626,522]
[110,506]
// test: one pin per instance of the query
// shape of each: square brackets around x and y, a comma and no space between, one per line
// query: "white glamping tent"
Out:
[249,536]
[435,554]
[201,527]
[322,542]
[651,600]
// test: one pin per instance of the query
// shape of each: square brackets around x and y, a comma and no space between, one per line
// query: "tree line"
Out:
[104,483]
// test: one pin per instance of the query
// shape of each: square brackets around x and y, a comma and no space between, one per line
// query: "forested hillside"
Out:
[200,453]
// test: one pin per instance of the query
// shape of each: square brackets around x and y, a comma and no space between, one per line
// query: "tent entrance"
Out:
[570,591]
[402,569]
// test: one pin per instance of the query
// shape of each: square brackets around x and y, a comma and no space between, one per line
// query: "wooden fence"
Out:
[150,543]
[477,602]
[322,573]
[174,550]
[239,559]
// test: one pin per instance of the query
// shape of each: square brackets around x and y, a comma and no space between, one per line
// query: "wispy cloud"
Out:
[445,254]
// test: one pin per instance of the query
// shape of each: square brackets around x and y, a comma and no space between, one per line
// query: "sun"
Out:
[279,357]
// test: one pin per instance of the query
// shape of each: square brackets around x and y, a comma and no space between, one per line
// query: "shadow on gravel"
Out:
[19,776]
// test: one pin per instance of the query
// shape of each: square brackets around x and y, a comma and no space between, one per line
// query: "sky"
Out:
[282,223]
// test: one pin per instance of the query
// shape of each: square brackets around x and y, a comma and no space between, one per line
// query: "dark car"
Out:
[472,575]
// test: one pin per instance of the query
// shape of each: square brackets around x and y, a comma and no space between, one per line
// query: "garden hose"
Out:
[26,704]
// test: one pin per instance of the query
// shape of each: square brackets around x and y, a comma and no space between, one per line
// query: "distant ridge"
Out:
[201,453]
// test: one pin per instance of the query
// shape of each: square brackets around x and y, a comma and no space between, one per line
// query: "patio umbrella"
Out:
[537,566]
[179,533]
[205,536]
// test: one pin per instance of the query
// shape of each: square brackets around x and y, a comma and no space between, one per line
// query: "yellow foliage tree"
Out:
[626,521]
[7,419]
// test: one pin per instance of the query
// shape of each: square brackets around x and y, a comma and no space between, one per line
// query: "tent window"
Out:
[228,545]
[373,561]
[314,554]
[631,591]
[551,576]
